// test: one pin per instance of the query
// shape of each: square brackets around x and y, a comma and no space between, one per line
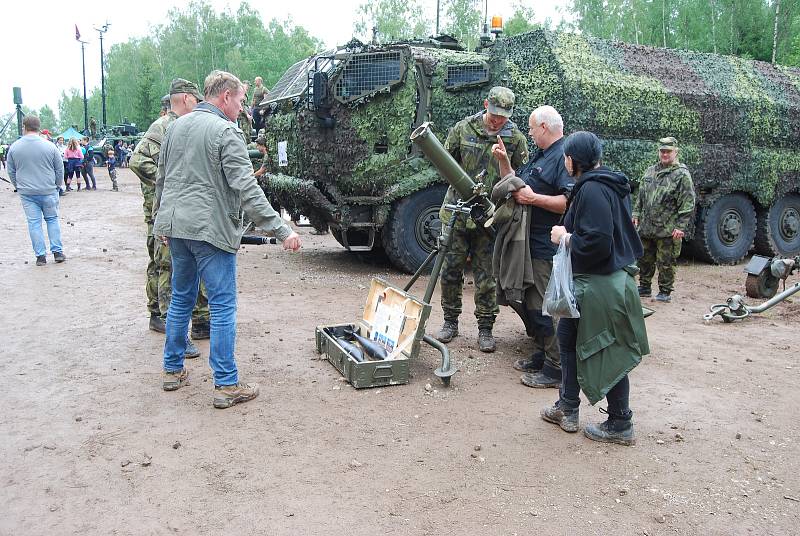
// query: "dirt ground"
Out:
[92,445]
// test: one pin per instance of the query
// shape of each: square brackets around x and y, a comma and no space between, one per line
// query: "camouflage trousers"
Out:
[158,286]
[247,130]
[661,253]
[478,244]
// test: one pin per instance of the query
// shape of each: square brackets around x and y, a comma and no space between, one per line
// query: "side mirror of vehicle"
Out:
[321,93]
[322,101]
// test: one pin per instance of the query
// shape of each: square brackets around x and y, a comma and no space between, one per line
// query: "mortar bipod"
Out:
[736,308]
[446,370]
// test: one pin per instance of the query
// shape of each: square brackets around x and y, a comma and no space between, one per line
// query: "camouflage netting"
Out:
[738,121]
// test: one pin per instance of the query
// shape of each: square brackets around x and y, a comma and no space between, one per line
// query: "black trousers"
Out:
[569,395]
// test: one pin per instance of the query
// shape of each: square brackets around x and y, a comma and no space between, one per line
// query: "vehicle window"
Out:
[466,75]
[368,73]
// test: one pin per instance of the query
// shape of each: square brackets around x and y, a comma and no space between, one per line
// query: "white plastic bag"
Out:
[559,298]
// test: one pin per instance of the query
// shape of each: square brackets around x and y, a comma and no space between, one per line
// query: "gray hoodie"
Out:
[34,166]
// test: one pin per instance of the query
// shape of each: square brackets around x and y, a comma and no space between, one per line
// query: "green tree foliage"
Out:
[521,20]
[193,41]
[394,20]
[48,118]
[70,109]
[464,19]
[738,27]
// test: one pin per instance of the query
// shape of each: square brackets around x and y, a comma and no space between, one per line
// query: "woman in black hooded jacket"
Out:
[604,245]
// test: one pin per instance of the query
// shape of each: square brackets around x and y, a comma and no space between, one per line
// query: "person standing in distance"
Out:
[205,180]
[662,210]
[470,143]
[37,173]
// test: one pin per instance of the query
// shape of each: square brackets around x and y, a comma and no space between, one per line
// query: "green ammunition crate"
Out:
[393,371]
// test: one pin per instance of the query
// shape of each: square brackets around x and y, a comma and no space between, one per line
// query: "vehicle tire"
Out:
[98,160]
[413,228]
[725,230]
[778,230]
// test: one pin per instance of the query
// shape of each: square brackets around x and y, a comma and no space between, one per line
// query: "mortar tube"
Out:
[450,170]
[443,161]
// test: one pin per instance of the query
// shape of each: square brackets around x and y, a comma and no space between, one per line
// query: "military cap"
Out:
[179,85]
[667,144]
[501,101]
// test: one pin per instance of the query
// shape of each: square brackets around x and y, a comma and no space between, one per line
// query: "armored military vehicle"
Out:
[126,132]
[338,128]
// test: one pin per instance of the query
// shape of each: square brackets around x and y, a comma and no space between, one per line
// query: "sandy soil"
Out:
[92,445]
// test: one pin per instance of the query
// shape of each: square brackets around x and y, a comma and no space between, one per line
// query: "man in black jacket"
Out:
[548,185]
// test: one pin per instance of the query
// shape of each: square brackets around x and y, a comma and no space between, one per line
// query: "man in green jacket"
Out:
[205,179]
[662,210]
[183,97]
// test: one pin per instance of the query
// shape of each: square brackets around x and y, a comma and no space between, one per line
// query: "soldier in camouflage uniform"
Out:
[183,96]
[470,143]
[662,210]
[245,121]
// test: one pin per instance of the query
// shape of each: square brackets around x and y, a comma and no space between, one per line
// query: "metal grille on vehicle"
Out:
[466,75]
[368,73]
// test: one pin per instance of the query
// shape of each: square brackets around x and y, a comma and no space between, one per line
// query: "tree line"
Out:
[767,30]
[197,39]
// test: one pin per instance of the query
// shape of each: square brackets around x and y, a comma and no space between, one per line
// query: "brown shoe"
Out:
[172,381]
[226,396]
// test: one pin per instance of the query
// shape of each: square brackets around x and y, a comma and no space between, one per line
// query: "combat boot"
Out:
[663,297]
[532,364]
[547,377]
[201,329]
[226,396]
[616,429]
[645,292]
[486,340]
[448,332]
[558,414]
[157,324]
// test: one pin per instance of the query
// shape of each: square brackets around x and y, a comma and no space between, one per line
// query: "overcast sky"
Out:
[42,57]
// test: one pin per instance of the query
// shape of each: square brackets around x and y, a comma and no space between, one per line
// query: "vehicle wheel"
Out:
[98,160]
[725,230]
[413,227]
[778,231]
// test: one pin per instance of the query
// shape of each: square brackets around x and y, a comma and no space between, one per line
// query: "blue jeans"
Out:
[193,260]
[35,207]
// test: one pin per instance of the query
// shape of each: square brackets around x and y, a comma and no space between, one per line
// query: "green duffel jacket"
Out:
[612,337]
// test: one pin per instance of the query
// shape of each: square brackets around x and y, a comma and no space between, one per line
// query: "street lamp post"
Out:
[102,30]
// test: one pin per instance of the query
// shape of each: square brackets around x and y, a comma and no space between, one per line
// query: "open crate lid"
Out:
[408,310]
